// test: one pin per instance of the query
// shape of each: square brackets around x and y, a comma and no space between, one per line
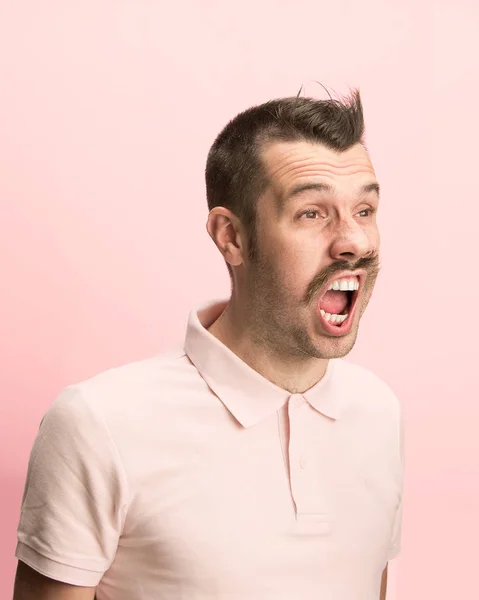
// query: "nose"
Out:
[351,242]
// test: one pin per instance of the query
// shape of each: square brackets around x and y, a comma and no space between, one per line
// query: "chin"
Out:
[335,347]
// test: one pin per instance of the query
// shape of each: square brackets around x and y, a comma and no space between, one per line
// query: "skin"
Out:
[271,321]
[384,584]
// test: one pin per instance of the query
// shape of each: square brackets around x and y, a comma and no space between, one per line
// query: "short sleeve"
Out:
[75,496]
[395,546]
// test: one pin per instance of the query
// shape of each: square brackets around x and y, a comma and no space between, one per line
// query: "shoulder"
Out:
[121,390]
[365,390]
[142,372]
[371,406]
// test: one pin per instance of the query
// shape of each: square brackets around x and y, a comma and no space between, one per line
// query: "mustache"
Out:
[368,263]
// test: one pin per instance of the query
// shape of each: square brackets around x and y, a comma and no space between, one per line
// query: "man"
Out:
[249,463]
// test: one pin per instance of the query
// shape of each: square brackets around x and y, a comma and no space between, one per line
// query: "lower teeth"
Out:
[333,318]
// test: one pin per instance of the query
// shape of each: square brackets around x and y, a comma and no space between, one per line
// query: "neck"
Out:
[288,368]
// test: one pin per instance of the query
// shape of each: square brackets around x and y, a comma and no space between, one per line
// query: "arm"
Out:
[30,585]
[384,584]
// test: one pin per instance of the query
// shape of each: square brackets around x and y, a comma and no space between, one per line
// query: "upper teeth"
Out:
[345,285]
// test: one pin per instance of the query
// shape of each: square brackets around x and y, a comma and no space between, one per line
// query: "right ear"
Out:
[225,230]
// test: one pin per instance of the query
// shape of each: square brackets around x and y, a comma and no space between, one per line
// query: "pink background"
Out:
[107,111]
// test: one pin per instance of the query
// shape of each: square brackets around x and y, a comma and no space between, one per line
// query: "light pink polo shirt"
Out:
[190,476]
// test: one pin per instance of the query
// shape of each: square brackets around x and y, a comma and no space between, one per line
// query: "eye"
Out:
[309,214]
[366,212]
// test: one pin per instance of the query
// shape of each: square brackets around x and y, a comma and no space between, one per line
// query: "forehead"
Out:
[292,164]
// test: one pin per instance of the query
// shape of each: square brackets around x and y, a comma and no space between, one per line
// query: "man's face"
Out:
[315,228]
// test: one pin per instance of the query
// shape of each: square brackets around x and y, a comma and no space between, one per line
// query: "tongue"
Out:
[334,302]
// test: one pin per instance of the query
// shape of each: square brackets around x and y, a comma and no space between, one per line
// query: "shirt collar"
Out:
[249,396]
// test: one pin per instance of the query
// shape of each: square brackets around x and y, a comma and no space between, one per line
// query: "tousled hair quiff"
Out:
[235,175]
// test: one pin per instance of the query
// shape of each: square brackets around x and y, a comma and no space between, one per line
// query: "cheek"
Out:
[374,236]
[297,269]
[293,261]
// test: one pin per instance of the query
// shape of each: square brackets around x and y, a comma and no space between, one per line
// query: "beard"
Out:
[281,324]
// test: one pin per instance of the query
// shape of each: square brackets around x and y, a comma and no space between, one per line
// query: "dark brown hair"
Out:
[235,175]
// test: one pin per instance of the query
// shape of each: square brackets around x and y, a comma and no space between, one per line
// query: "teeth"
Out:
[345,285]
[333,318]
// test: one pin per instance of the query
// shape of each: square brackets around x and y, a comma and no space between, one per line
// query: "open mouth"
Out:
[337,304]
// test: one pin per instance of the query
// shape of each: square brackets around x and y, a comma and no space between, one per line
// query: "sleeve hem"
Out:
[393,553]
[56,570]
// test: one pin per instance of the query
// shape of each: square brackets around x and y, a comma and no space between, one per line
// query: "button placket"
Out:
[305,486]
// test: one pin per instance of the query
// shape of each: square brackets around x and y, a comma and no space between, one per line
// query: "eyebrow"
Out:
[326,188]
